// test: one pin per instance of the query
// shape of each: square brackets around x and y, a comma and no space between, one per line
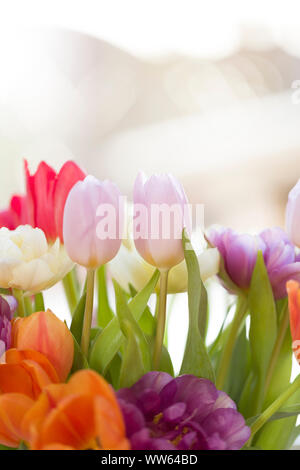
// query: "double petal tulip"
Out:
[47,192]
[292,215]
[47,334]
[93,222]
[185,413]
[82,414]
[28,262]
[161,213]
[16,214]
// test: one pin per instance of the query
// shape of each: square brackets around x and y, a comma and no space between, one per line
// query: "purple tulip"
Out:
[239,252]
[185,413]
[8,306]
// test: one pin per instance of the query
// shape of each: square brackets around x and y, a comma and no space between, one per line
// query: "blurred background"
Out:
[205,89]
[208,90]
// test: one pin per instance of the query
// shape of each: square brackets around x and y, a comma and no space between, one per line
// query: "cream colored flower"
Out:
[128,267]
[28,262]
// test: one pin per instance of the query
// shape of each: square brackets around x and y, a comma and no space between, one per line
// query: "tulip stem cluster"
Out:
[161,318]
[241,310]
[88,312]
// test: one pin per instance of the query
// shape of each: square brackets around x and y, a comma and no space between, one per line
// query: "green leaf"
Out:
[165,364]
[71,288]
[263,327]
[277,435]
[203,311]
[79,360]
[77,319]
[239,367]
[6,448]
[113,371]
[104,312]
[111,338]
[39,304]
[195,360]
[147,321]
[136,359]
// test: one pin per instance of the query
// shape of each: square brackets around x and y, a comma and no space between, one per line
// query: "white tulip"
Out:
[128,267]
[28,262]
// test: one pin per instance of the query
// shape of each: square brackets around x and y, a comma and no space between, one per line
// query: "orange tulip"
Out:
[44,332]
[13,407]
[82,414]
[293,290]
[26,372]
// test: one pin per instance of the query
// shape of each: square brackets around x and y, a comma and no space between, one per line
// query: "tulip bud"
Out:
[160,215]
[93,222]
[45,333]
[292,215]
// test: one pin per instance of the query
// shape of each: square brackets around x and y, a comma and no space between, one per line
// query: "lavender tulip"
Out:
[185,413]
[239,252]
[158,235]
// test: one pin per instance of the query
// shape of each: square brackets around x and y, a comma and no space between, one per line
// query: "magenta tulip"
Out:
[161,213]
[93,222]
[292,215]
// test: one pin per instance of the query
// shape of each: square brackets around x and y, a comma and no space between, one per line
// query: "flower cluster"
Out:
[106,380]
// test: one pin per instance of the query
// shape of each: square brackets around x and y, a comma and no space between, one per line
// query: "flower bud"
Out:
[93,222]
[47,334]
[160,215]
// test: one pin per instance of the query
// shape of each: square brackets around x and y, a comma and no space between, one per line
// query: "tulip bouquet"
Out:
[106,380]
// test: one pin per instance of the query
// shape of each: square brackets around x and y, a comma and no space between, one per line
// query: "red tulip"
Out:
[47,192]
[16,214]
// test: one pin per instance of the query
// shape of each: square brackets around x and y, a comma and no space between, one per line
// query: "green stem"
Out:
[277,348]
[71,289]
[18,294]
[161,319]
[275,406]
[28,305]
[39,304]
[88,312]
[241,310]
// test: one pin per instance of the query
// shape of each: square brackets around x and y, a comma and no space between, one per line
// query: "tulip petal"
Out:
[45,333]
[13,407]
[69,174]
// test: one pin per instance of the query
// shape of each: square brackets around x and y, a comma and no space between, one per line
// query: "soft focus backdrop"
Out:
[209,90]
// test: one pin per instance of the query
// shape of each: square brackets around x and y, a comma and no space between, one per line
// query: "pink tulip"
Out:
[292,215]
[93,222]
[160,213]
